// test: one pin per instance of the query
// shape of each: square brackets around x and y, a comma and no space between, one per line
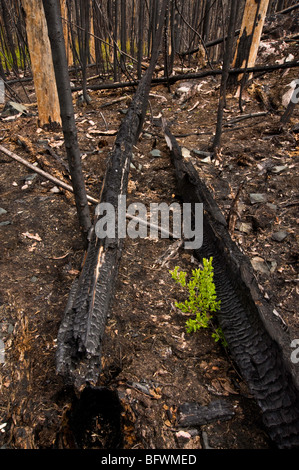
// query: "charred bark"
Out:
[83,326]
[257,343]
[192,414]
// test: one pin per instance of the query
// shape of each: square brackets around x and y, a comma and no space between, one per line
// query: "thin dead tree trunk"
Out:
[225,75]
[140,38]
[123,32]
[53,17]
[42,64]
[69,53]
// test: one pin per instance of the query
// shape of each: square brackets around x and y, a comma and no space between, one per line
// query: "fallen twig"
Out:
[42,173]
[243,117]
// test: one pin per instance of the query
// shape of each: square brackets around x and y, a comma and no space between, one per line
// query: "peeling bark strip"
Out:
[82,329]
[257,343]
[42,64]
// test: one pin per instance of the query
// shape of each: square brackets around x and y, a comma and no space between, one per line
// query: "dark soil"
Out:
[148,358]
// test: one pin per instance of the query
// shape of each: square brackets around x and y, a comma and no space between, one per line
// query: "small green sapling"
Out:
[202,300]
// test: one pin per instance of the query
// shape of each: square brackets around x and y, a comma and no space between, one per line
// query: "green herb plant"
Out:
[202,301]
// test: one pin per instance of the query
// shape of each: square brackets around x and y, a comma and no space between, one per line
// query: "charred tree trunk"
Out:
[53,17]
[83,326]
[42,64]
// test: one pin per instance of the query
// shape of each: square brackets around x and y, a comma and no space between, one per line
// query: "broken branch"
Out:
[44,174]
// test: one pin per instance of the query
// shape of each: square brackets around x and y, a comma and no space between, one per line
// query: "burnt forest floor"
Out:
[148,358]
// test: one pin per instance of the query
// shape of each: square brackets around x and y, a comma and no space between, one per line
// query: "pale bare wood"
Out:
[92,45]
[41,63]
[252,24]
[64,15]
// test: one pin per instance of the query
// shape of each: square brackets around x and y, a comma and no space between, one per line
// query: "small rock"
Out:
[186,153]
[25,186]
[12,108]
[259,265]
[279,236]
[156,153]
[2,211]
[183,435]
[202,154]
[244,227]
[257,198]
[30,177]
[206,160]
[278,169]
[55,190]
[3,224]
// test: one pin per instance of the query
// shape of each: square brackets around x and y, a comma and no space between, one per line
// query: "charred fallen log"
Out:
[193,414]
[82,329]
[257,343]
[193,75]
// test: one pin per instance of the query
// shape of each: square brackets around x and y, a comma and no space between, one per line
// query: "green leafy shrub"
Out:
[202,300]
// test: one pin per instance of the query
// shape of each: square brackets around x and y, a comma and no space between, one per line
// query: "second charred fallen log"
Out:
[192,414]
[257,343]
[82,329]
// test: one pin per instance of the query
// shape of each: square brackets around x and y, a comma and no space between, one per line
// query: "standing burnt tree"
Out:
[53,17]
[225,75]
